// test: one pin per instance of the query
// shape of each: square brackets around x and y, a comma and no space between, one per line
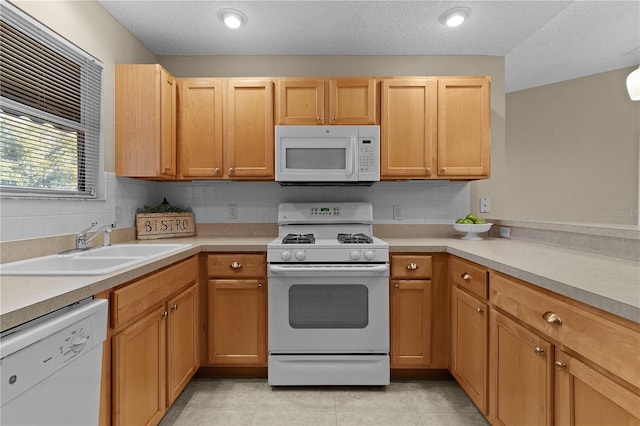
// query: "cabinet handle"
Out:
[174,307]
[164,314]
[230,170]
[466,276]
[236,265]
[443,169]
[559,364]
[167,168]
[397,286]
[552,318]
[538,351]
[412,267]
[479,311]
[334,117]
[318,118]
[217,170]
[259,286]
[428,170]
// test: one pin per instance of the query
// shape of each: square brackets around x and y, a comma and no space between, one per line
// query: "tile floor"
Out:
[254,402]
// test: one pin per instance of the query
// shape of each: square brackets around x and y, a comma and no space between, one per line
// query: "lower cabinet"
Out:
[522,378]
[237,310]
[418,311]
[154,343]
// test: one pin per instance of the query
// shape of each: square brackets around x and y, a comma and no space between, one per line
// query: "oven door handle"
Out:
[342,269]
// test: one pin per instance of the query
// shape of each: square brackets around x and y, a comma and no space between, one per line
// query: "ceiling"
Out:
[542,41]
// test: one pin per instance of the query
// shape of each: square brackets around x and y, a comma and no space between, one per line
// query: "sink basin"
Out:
[97,261]
[133,250]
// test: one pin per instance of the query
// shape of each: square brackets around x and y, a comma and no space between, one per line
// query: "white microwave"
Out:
[327,154]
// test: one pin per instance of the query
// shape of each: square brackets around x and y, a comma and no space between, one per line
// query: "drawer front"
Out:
[237,265]
[411,266]
[135,298]
[471,277]
[599,339]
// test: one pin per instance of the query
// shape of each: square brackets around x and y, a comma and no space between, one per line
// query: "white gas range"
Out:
[328,297]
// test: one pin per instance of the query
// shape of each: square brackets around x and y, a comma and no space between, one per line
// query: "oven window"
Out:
[328,306]
[316,158]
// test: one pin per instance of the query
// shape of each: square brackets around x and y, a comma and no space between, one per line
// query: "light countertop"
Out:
[610,284]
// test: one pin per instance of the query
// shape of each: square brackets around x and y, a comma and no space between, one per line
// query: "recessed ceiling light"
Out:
[454,17]
[232,18]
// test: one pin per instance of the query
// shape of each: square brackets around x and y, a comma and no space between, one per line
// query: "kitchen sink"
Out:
[98,261]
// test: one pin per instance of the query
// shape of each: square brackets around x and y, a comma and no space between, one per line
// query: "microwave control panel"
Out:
[367,156]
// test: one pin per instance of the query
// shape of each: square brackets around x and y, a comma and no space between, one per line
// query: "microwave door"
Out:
[317,159]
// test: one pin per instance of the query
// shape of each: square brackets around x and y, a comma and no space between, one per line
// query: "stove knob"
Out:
[355,255]
[369,254]
[286,255]
[300,255]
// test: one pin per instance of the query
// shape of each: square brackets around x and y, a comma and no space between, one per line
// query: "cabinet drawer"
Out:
[135,298]
[411,266]
[470,276]
[598,338]
[237,265]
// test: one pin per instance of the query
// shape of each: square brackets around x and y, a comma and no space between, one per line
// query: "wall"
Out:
[572,152]
[87,25]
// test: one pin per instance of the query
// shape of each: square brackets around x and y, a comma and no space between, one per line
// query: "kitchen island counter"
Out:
[610,284]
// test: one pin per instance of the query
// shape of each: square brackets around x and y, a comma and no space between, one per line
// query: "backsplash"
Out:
[421,202]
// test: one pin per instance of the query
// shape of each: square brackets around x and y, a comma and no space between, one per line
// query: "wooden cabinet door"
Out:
[182,341]
[300,101]
[585,396]
[237,322]
[469,345]
[145,121]
[522,377]
[200,127]
[409,128]
[139,371]
[464,127]
[249,141]
[352,101]
[410,323]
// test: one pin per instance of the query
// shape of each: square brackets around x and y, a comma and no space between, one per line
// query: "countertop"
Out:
[610,284]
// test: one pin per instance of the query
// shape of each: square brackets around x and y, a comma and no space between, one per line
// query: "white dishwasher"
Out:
[50,367]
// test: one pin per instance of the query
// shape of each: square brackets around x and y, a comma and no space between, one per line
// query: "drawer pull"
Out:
[412,267]
[552,318]
[236,265]
[397,286]
[538,351]
[260,286]
[164,314]
[560,364]
[479,311]
[466,276]
[174,308]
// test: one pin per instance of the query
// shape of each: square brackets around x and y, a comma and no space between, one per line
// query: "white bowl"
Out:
[472,230]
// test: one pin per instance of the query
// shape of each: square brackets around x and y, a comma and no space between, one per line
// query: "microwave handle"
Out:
[354,150]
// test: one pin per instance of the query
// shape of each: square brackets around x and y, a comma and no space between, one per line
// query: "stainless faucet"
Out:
[82,240]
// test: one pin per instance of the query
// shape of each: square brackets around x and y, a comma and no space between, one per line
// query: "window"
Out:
[50,100]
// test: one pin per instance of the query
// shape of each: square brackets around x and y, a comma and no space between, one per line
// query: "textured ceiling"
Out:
[542,41]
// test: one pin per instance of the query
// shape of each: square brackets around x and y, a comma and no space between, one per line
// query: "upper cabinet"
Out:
[145,121]
[464,127]
[310,101]
[225,128]
[435,127]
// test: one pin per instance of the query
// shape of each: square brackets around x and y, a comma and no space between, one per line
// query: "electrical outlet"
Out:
[233,211]
[397,212]
[485,205]
[505,232]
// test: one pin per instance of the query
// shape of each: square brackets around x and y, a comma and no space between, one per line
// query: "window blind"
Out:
[50,107]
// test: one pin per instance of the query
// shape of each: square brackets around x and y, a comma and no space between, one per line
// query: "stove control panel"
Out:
[336,255]
[325,211]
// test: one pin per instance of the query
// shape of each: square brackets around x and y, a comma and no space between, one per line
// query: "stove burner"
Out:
[299,239]
[354,239]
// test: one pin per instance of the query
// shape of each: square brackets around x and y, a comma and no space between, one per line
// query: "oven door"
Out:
[316,153]
[329,309]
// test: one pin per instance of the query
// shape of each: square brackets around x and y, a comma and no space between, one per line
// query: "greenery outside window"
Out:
[50,108]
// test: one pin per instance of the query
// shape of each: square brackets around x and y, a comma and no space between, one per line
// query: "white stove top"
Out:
[325,221]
